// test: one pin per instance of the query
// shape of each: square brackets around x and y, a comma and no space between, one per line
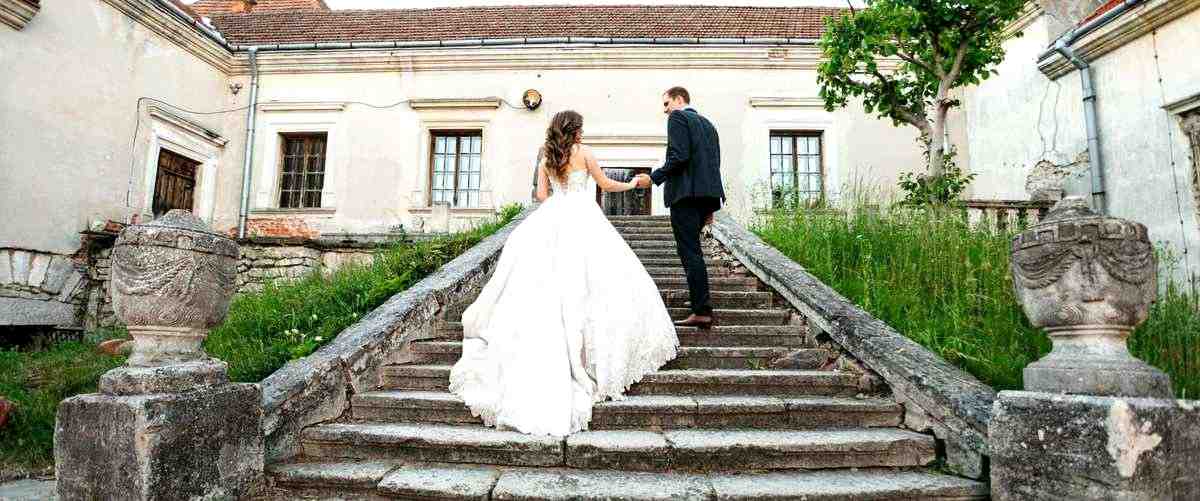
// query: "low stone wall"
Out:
[98,310]
[39,288]
[263,260]
[937,396]
[261,264]
[318,387]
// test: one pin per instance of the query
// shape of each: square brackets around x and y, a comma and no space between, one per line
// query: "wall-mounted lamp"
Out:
[235,87]
[532,99]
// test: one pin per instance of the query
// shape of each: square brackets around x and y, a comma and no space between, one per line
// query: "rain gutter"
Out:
[1062,46]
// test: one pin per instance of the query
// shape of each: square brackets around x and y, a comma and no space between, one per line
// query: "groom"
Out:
[692,173]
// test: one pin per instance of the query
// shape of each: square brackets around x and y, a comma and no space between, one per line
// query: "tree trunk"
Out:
[937,145]
[937,139]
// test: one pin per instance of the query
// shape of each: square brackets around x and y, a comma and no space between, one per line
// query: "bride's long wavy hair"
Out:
[561,135]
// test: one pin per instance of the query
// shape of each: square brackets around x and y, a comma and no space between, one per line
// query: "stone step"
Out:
[678,298]
[664,226]
[743,335]
[746,357]
[659,218]
[469,482]
[661,252]
[432,352]
[735,316]
[653,412]
[652,244]
[674,261]
[720,335]
[791,383]
[714,283]
[781,382]
[661,229]
[647,236]
[678,271]
[693,449]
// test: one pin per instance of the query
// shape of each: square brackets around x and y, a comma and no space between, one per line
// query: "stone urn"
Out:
[172,281]
[1088,280]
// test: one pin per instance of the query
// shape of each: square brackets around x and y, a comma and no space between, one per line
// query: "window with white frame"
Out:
[455,168]
[797,168]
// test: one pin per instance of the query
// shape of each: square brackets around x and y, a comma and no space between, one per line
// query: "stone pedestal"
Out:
[201,444]
[1096,423]
[1063,447]
[168,425]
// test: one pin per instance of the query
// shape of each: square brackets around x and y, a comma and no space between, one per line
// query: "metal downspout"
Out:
[246,163]
[1089,119]
[1063,47]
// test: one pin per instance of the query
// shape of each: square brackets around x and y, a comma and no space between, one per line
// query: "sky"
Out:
[410,4]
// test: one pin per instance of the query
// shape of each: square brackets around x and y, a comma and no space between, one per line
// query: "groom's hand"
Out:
[709,220]
[643,180]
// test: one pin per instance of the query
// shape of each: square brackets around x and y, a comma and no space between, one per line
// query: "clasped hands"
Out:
[641,181]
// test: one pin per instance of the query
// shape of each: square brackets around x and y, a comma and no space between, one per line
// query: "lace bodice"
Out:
[577,182]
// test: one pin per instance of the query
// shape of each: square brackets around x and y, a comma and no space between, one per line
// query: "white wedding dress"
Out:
[569,318]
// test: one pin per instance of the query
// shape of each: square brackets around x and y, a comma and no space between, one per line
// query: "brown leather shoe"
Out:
[695,320]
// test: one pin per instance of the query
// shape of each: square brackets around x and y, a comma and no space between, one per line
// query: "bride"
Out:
[569,317]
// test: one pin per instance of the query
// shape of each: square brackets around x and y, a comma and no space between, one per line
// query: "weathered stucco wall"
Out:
[72,79]
[378,159]
[1021,118]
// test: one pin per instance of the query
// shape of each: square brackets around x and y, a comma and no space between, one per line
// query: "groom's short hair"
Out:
[675,92]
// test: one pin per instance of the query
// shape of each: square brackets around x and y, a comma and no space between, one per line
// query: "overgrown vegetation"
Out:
[35,382]
[263,331]
[926,190]
[946,285]
[284,322]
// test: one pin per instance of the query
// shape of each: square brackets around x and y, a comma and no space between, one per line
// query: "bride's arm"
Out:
[543,186]
[603,181]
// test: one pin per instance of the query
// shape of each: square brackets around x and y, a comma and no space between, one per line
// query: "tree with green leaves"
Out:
[903,57]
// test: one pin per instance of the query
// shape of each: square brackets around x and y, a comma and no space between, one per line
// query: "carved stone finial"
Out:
[172,281]
[1088,280]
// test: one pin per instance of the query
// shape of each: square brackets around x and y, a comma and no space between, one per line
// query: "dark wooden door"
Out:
[635,202]
[175,183]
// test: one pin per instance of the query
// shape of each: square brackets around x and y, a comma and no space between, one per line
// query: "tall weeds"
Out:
[290,320]
[946,285]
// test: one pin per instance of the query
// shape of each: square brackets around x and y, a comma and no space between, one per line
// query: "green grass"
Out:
[947,286]
[35,382]
[263,331]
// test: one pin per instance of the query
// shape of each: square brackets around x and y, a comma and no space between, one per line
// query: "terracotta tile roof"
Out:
[522,22]
[1104,7]
[186,8]
[211,7]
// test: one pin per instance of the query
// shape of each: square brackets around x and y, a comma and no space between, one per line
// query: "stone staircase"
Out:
[718,422]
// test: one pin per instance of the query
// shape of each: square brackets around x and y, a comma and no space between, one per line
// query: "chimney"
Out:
[242,6]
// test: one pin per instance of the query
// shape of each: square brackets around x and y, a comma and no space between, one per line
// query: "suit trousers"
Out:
[687,219]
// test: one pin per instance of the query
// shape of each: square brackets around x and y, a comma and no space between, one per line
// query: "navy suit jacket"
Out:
[693,165]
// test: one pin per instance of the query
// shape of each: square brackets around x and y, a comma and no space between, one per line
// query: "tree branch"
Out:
[917,120]
[911,59]
[935,41]
[958,60]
